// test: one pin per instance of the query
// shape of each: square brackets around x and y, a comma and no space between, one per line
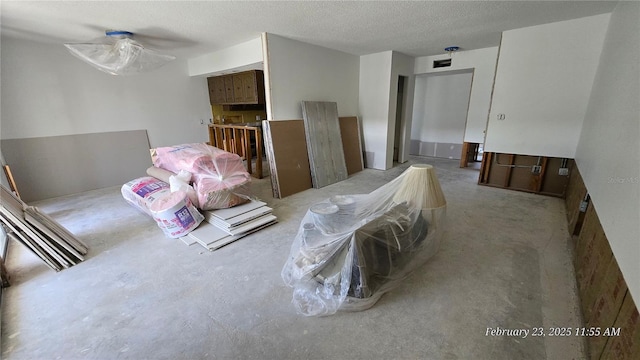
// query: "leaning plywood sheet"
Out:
[350,133]
[286,150]
[324,142]
[47,167]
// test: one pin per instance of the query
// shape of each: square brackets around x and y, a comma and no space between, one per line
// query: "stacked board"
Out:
[288,156]
[324,143]
[224,226]
[46,238]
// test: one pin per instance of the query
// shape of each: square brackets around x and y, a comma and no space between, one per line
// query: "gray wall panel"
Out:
[47,167]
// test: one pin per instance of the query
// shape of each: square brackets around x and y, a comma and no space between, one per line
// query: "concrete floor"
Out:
[505,262]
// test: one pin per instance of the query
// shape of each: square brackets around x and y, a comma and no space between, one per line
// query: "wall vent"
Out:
[441,63]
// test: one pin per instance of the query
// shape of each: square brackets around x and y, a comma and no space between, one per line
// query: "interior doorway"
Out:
[440,114]
[400,111]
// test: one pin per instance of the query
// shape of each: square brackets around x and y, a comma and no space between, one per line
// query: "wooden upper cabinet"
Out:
[241,88]
[228,87]
[217,92]
[238,88]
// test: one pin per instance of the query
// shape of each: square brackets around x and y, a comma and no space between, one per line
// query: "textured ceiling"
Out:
[191,28]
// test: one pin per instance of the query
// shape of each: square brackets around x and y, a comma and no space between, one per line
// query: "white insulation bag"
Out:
[175,214]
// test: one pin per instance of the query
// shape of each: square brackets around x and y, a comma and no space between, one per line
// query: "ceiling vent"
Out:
[441,63]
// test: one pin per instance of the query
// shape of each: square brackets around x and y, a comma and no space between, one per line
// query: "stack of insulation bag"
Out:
[185,178]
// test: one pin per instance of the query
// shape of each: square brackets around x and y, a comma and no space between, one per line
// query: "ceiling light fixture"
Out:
[118,54]
[451,49]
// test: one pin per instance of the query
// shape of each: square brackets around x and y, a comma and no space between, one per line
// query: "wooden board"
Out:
[514,171]
[47,167]
[286,148]
[606,296]
[626,346]
[593,255]
[324,143]
[351,144]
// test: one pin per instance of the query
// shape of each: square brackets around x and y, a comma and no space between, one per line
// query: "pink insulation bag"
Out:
[218,176]
[175,214]
[141,192]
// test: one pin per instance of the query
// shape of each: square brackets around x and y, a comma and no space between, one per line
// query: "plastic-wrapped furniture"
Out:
[350,250]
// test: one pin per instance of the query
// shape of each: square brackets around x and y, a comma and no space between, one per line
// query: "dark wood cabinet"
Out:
[217,92]
[240,88]
[228,87]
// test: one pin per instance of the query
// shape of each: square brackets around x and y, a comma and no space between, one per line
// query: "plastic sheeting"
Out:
[175,214]
[351,249]
[218,177]
[118,54]
[141,192]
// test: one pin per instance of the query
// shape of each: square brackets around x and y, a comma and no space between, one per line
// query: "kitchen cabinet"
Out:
[228,88]
[240,88]
[217,92]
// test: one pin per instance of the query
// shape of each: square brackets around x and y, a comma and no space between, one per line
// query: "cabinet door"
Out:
[216,90]
[249,87]
[238,88]
[228,86]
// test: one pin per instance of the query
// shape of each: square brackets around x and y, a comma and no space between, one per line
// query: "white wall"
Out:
[299,71]
[401,65]
[608,153]
[542,85]
[243,54]
[47,92]
[483,62]
[374,105]
[440,107]
[378,102]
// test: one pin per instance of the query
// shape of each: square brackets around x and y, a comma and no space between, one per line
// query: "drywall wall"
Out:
[48,92]
[401,65]
[483,63]
[375,89]
[80,162]
[542,86]
[298,71]
[378,94]
[440,113]
[608,152]
[244,54]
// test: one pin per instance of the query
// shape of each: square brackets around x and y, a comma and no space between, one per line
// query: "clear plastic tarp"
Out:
[118,54]
[351,249]
[219,177]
